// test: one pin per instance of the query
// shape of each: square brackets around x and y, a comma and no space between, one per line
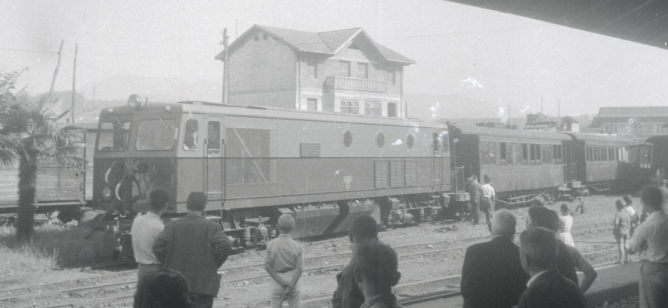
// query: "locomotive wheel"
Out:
[69,214]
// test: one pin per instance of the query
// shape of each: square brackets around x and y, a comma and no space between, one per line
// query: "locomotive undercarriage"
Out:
[255,227]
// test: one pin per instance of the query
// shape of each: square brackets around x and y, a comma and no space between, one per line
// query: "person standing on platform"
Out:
[621,226]
[145,230]
[635,218]
[475,192]
[664,191]
[284,265]
[566,225]
[488,200]
[547,288]
[196,248]
[651,242]
[363,230]
[492,274]
[376,272]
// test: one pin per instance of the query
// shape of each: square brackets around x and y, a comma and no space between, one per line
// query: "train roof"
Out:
[595,139]
[269,112]
[515,134]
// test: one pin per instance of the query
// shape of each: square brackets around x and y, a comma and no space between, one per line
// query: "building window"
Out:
[610,128]
[312,104]
[391,110]
[350,107]
[373,109]
[362,70]
[312,67]
[344,68]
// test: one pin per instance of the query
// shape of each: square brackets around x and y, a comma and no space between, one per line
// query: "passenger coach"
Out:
[255,163]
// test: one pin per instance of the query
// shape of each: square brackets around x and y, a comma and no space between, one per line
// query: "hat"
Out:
[487,179]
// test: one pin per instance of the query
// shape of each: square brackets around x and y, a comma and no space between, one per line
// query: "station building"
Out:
[337,71]
[644,121]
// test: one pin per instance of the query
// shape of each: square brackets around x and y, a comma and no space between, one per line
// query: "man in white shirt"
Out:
[651,241]
[488,200]
[145,229]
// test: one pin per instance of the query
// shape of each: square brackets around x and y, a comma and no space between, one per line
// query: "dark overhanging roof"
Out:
[640,21]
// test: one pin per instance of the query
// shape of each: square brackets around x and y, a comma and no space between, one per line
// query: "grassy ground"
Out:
[53,246]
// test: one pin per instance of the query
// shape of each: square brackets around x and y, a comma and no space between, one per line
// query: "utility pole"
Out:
[226,70]
[55,73]
[74,83]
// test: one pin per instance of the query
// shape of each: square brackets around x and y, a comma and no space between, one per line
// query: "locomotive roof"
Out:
[268,112]
[510,133]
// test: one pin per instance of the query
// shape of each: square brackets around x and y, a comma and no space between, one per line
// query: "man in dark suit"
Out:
[547,288]
[195,247]
[475,192]
[492,275]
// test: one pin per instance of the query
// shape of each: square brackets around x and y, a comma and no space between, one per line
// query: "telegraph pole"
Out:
[74,83]
[226,70]
[55,73]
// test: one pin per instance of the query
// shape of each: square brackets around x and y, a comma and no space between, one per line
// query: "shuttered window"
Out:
[396,173]
[381,174]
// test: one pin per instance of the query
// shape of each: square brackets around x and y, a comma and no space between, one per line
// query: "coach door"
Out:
[213,160]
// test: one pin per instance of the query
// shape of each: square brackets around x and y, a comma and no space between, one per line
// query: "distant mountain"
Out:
[453,106]
[166,90]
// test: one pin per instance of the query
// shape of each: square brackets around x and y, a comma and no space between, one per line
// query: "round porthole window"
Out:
[347,139]
[409,141]
[380,140]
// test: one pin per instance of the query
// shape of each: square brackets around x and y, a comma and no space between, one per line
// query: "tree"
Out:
[29,131]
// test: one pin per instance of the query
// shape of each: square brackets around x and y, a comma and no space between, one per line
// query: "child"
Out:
[621,231]
[376,273]
[284,265]
[566,224]
[635,218]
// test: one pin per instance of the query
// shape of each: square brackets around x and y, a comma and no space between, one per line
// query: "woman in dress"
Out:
[566,225]
[621,226]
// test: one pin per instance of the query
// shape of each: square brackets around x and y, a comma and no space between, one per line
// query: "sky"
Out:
[485,55]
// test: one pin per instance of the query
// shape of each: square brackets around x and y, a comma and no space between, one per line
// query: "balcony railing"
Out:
[356,84]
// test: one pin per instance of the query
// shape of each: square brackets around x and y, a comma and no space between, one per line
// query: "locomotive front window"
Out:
[113,135]
[155,135]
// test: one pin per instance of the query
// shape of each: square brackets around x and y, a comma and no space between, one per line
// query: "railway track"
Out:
[127,279]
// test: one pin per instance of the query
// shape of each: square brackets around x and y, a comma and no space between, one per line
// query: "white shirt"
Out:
[651,238]
[145,229]
[534,277]
[488,191]
[630,210]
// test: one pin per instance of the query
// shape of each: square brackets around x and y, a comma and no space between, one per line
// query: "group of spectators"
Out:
[541,272]
[178,262]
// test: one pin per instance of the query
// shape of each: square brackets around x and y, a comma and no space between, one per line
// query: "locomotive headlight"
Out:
[106,194]
[134,101]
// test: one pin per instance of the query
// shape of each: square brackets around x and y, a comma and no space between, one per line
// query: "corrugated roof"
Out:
[628,112]
[501,132]
[327,42]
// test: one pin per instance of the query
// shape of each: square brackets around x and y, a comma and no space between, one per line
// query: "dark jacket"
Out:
[347,294]
[195,247]
[552,290]
[492,274]
[475,191]
[565,263]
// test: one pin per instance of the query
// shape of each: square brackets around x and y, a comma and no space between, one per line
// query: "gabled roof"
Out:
[326,43]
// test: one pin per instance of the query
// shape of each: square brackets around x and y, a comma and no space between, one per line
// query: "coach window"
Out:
[190,135]
[113,136]
[249,156]
[525,154]
[503,157]
[155,135]
[538,156]
[492,153]
[484,152]
[547,154]
[213,137]
[445,141]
